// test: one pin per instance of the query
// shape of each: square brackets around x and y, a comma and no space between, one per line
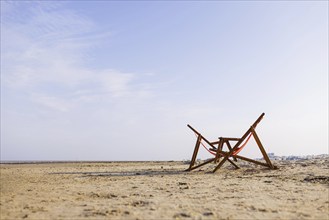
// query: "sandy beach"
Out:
[161,190]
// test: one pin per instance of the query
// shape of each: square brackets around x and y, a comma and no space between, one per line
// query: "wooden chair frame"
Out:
[222,156]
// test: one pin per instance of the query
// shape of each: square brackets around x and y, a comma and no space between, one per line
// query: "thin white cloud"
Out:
[116,83]
[48,45]
[51,102]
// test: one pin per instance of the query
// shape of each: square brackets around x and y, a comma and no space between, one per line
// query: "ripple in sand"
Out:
[317,179]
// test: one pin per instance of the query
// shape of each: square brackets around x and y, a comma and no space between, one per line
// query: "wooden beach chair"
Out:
[231,154]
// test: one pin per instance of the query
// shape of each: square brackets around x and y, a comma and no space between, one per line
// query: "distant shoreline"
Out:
[83,161]
[272,157]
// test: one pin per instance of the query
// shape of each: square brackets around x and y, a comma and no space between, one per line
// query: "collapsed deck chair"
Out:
[231,155]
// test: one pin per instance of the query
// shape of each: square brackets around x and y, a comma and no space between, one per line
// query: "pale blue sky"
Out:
[103,80]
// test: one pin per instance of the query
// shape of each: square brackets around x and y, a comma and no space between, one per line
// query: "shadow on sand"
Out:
[126,173]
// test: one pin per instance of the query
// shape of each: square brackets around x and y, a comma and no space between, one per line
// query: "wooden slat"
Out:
[254,125]
[230,139]
[236,166]
[204,163]
[252,161]
[205,139]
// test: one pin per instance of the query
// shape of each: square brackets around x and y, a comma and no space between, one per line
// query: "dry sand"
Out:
[159,190]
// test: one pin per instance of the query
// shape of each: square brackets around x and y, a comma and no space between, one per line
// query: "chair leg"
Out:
[236,166]
[195,152]
[230,149]
[219,149]
[221,163]
[259,143]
